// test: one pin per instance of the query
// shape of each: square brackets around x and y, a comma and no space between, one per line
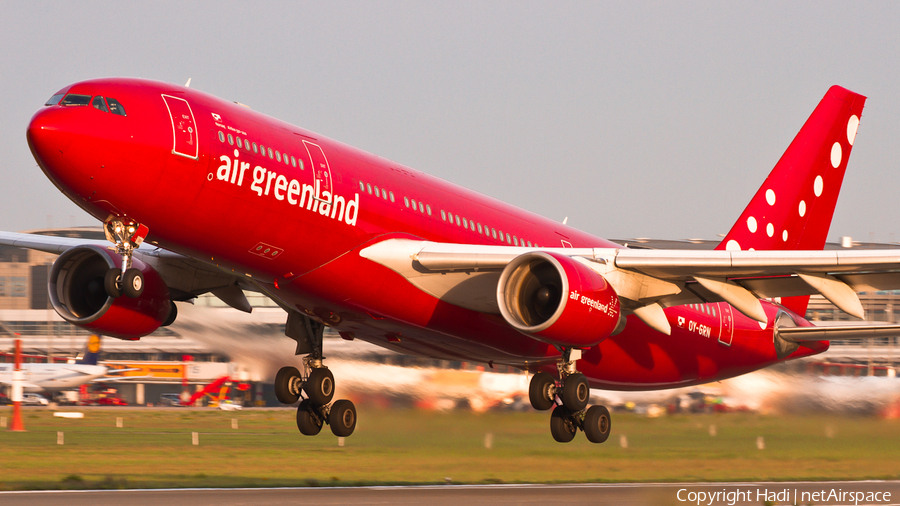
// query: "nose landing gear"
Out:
[126,236]
[570,395]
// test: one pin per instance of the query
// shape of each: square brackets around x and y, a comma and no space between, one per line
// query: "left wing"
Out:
[467,275]
[186,277]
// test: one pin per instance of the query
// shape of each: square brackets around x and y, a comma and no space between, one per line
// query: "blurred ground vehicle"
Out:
[30,399]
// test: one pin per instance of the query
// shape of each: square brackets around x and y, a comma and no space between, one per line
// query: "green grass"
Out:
[154,449]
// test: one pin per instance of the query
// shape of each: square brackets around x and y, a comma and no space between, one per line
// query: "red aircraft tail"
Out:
[793,208]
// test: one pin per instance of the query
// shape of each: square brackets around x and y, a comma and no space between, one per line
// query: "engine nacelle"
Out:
[558,300]
[77,294]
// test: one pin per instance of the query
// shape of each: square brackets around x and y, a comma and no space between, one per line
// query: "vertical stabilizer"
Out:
[792,210]
[91,351]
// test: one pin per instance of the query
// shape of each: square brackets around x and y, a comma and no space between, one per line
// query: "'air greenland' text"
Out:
[310,197]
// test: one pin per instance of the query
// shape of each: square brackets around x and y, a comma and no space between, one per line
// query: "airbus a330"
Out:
[198,194]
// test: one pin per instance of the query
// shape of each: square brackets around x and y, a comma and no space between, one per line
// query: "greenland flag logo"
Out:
[216,116]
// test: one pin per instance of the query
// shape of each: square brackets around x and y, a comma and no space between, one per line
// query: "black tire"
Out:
[597,424]
[576,392]
[320,386]
[133,283]
[539,391]
[283,379]
[562,426]
[173,314]
[111,283]
[309,424]
[342,418]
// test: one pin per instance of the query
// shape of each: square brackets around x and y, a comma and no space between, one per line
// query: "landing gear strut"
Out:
[317,386]
[126,236]
[570,395]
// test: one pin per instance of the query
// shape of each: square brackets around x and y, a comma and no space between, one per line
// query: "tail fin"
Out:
[91,351]
[793,208]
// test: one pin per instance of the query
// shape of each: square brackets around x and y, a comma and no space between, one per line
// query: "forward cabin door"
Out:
[322,177]
[185,141]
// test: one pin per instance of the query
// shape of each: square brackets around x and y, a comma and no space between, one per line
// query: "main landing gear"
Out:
[570,395]
[126,281]
[317,409]
[318,385]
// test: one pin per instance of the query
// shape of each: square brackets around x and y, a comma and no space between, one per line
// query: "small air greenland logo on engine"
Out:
[610,309]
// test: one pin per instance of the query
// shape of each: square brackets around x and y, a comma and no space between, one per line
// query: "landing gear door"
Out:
[184,130]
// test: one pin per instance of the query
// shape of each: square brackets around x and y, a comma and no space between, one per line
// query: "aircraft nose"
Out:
[46,137]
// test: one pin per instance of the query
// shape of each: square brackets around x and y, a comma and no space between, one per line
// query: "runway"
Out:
[711,494]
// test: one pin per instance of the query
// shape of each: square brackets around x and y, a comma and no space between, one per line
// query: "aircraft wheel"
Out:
[111,283]
[133,283]
[342,418]
[539,391]
[597,424]
[309,424]
[562,426]
[576,392]
[320,386]
[283,380]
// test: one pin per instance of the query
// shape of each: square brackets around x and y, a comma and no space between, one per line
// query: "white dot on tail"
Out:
[852,125]
[770,230]
[836,154]
[732,245]
[784,236]
[802,208]
[770,197]
[817,186]
[751,224]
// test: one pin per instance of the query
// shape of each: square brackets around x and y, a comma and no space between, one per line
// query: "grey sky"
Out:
[633,119]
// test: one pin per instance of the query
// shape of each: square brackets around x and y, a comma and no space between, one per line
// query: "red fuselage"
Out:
[292,209]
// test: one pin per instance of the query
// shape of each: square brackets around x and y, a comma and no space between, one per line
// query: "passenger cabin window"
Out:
[221,136]
[74,99]
[230,140]
[293,161]
[99,104]
[443,215]
[392,196]
[362,186]
[54,99]
[255,148]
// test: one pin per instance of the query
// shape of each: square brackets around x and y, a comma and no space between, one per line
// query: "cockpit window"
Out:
[55,99]
[99,103]
[115,107]
[74,99]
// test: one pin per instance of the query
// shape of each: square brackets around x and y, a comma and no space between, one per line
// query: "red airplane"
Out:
[221,199]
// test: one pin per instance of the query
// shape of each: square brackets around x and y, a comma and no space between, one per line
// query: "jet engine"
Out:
[558,300]
[78,295]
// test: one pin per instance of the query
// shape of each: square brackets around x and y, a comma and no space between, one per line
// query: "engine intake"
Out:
[77,294]
[558,300]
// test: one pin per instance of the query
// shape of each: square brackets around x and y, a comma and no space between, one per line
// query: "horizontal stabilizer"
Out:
[801,334]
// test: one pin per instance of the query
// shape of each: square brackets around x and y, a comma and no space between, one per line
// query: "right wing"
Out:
[467,275]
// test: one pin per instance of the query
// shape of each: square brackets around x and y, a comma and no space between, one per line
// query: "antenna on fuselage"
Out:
[188,83]
[565,220]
